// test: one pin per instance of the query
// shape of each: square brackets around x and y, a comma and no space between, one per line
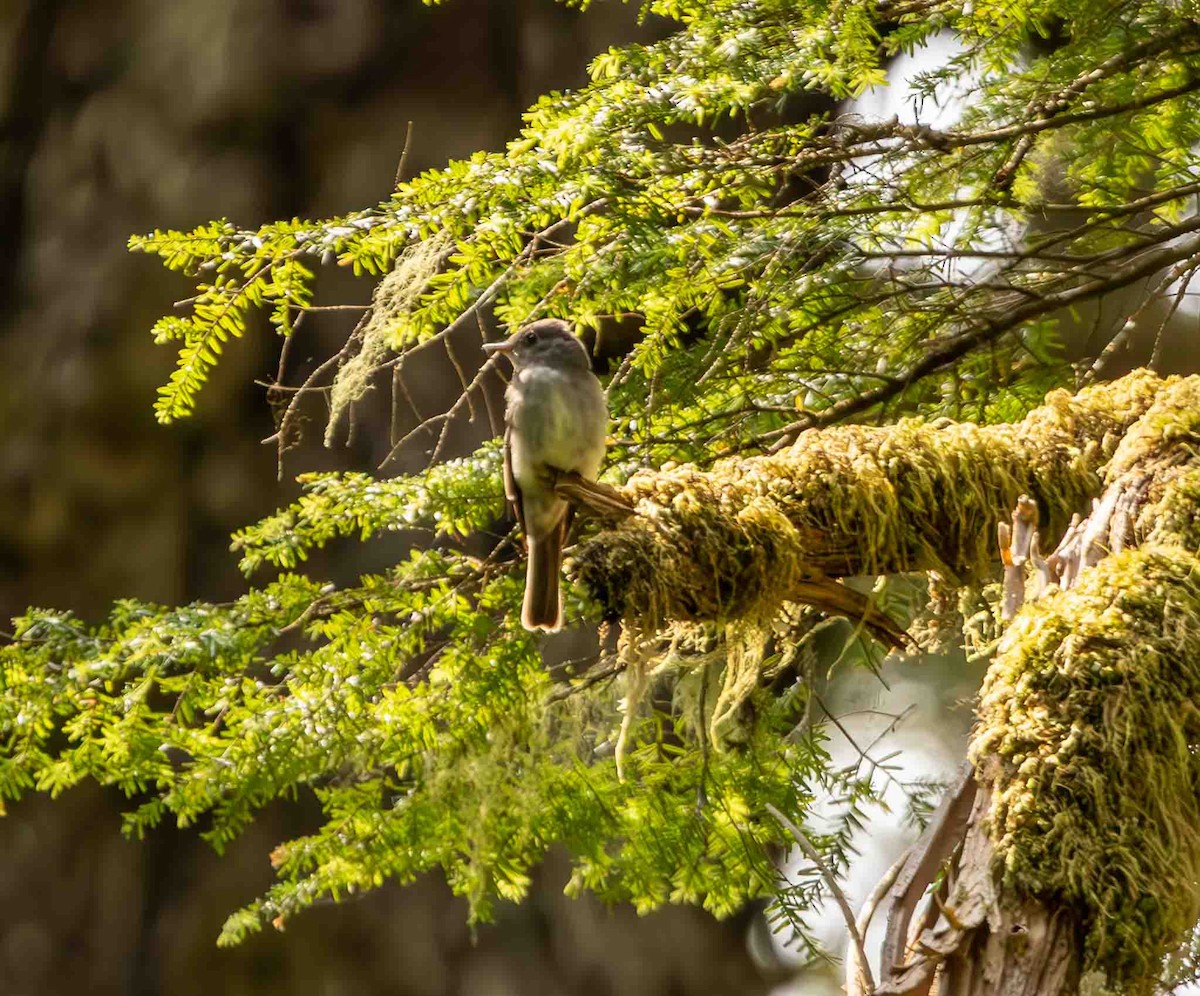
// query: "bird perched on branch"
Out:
[556,421]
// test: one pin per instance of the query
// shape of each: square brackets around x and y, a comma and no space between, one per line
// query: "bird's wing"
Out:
[511,490]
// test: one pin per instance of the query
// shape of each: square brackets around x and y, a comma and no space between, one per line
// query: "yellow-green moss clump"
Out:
[1092,707]
[731,543]
[1170,430]
[1175,516]
[1158,458]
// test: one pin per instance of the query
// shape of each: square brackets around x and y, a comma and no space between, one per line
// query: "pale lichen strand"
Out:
[1089,721]
[730,543]
[382,331]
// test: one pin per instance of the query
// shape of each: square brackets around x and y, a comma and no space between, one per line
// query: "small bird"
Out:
[556,421]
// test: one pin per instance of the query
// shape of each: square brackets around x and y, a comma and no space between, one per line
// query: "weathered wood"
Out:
[939,841]
[984,942]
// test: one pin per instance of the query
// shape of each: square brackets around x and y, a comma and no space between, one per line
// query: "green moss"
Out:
[1089,719]
[1170,429]
[729,548]
[729,543]
[1176,515]
[1159,453]
[1092,708]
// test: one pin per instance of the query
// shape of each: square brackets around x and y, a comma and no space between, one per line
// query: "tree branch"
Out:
[737,540]
[991,326]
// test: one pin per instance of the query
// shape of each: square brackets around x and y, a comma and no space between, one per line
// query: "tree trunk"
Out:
[983,941]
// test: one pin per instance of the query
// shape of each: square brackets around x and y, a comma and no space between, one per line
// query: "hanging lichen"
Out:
[395,295]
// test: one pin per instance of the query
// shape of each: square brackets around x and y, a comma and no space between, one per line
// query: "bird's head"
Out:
[549,341]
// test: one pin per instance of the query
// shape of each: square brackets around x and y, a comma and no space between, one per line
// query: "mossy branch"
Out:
[735,541]
[1093,708]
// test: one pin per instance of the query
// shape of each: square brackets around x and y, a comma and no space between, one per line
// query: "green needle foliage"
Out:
[779,266]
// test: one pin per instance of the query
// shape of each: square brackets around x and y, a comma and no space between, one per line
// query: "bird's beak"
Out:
[497,347]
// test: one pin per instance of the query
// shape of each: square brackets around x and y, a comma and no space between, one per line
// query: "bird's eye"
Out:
[530,338]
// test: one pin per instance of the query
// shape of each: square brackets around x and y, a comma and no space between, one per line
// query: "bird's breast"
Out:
[559,419]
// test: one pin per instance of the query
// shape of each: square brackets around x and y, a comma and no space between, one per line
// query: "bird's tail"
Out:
[543,606]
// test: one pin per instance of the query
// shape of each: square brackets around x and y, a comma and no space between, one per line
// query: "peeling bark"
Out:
[980,940]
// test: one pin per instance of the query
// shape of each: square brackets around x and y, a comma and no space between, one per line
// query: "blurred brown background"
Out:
[119,116]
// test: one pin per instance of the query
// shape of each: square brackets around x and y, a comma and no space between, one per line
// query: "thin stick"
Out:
[612,666]
[285,352]
[462,377]
[493,425]
[867,913]
[398,382]
[814,856]
[403,155]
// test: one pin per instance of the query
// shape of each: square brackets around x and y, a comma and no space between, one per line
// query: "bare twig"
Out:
[867,914]
[990,326]
[1016,542]
[607,668]
[936,844]
[408,136]
[1124,60]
